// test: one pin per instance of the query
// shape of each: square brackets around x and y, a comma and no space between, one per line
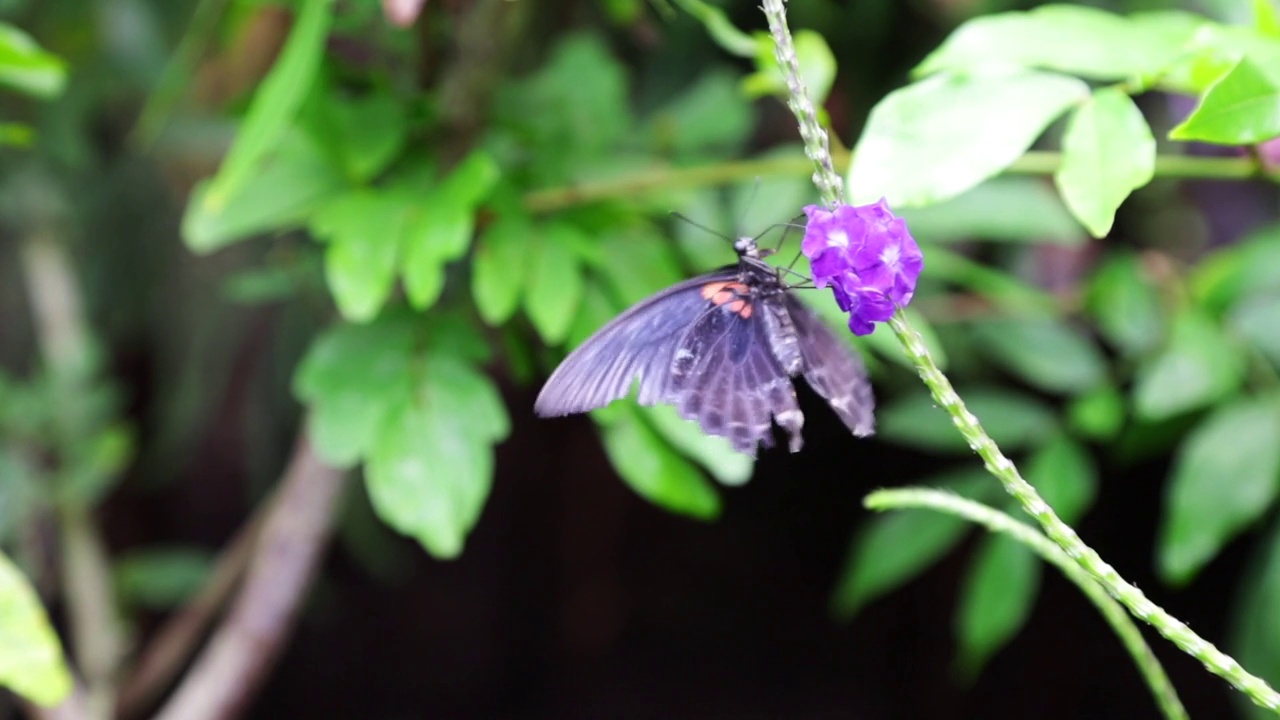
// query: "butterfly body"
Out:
[723,349]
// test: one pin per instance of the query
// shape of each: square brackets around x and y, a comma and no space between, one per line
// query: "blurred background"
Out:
[151,397]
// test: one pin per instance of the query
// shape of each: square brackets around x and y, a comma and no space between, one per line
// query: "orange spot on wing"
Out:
[723,291]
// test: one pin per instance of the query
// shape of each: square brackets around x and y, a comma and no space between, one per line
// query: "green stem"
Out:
[1216,661]
[1032,163]
[995,521]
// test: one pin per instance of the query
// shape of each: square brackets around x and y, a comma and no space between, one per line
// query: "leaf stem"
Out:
[995,521]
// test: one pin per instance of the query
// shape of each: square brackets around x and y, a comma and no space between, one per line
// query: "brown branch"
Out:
[227,674]
[181,633]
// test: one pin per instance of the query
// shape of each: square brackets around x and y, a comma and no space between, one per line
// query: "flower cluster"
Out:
[867,257]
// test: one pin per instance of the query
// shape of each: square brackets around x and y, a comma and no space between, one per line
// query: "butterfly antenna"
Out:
[751,200]
[700,226]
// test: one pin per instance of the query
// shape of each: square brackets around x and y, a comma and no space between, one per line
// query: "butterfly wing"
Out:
[833,370]
[726,378]
[640,343]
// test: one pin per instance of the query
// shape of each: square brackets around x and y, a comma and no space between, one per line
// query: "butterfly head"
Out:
[746,247]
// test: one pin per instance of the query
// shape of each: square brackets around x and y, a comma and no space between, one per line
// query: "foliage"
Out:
[462,256]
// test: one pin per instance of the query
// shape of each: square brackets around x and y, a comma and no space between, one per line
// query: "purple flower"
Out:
[868,258]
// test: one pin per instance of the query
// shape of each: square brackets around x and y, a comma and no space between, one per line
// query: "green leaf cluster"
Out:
[994,87]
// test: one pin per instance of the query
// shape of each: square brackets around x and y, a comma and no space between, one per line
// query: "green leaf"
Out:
[1123,301]
[369,132]
[1250,267]
[1241,108]
[1108,151]
[1013,420]
[431,464]
[15,134]
[817,67]
[1073,39]
[714,453]
[363,230]
[471,182]
[1266,18]
[1043,351]
[162,578]
[574,110]
[1255,320]
[1198,367]
[1007,209]
[27,68]
[352,376]
[720,28]
[934,139]
[288,188]
[894,548]
[996,600]
[1098,414]
[31,660]
[274,105]
[438,231]
[1065,475]
[499,268]
[711,116]
[555,283]
[653,470]
[1225,477]
[1254,623]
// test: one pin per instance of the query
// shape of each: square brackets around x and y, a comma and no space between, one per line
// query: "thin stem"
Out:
[1216,661]
[816,146]
[1035,162]
[995,521]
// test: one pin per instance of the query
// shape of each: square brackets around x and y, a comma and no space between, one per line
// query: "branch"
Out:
[227,674]
[169,650]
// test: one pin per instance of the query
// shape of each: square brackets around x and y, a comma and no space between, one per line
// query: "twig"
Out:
[229,671]
[178,638]
[995,521]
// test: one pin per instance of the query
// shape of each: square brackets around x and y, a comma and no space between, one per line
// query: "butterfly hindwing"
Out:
[833,370]
[726,378]
[638,343]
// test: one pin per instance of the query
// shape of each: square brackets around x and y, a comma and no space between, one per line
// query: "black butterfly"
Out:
[722,348]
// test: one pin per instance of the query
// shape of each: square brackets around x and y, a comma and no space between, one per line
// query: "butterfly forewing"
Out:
[638,343]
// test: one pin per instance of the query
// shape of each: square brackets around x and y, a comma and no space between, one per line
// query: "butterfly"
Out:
[723,349]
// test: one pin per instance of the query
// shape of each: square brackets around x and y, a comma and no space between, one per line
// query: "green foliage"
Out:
[405,395]
[25,67]
[1044,352]
[656,472]
[1107,152]
[274,107]
[1242,107]
[1197,367]
[1013,420]
[996,600]
[31,661]
[893,549]
[1226,476]
[965,128]
[161,577]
